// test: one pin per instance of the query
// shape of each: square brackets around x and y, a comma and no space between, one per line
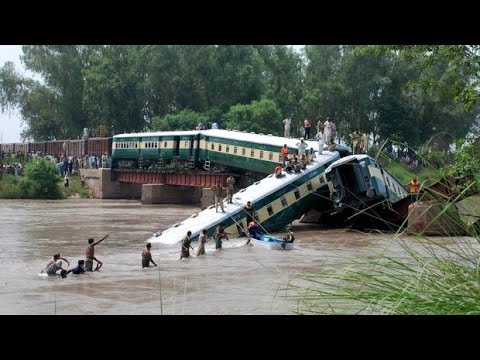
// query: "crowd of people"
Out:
[14,163]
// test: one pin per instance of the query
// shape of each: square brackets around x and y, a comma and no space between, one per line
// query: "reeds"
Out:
[415,274]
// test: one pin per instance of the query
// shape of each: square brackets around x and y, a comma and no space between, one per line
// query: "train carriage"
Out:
[100,146]
[249,151]
[77,147]
[38,147]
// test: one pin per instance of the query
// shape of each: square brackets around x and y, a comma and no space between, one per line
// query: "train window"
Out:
[186,144]
[309,186]
[297,194]
[212,147]
[219,147]
[261,154]
[242,190]
[270,210]
[321,179]
[252,152]
[156,145]
[284,202]
[388,181]
[227,148]
[244,151]
[165,144]
[235,150]
[280,158]
[136,145]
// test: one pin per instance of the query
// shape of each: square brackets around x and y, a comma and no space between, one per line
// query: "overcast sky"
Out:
[10,127]
[10,123]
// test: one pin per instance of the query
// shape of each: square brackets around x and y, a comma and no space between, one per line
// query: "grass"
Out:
[75,187]
[416,275]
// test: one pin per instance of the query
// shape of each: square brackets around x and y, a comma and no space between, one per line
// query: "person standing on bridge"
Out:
[230,183]
[218,191]
[286,126]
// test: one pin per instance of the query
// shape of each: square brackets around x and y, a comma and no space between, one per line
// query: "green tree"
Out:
[262,116]
[41,179]
[183,120]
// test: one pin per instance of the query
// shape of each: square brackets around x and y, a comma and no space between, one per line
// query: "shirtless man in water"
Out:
[90,254]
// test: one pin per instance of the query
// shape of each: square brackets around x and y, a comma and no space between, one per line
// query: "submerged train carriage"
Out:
[358,184]
[277,202]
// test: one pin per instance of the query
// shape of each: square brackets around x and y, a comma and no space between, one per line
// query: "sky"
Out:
[10,127]
[10,122]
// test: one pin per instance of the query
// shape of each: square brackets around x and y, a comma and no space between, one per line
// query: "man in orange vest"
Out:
[414,188]
[284,152]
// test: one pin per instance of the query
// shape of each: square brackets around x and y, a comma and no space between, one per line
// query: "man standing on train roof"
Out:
[302,145]
[284,152]
[218,191]
[230,183]
[250,211]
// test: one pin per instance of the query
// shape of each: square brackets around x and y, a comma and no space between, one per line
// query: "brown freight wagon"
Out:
[56,148]
[21,148]
[38,146]
[8,148]
[99,146]
[76,147]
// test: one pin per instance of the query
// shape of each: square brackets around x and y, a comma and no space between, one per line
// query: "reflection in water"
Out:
[239,279]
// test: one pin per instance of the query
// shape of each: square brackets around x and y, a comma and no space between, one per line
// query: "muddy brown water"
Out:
[238,279]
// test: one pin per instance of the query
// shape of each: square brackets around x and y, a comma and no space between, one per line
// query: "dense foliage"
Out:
[404,93]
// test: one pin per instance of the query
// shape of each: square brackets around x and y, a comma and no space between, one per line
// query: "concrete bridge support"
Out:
[170,194]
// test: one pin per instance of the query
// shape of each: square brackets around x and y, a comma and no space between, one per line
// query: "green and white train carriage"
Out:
[131,150]
[249,151]
[277,202]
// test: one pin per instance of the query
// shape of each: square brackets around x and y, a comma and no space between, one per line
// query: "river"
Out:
[238,279]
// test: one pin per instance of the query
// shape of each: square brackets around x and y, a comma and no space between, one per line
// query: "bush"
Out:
[41,180]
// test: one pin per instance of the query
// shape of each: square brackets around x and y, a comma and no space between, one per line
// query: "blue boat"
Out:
[271,242]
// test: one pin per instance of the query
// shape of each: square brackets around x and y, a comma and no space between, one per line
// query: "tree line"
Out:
[405,93]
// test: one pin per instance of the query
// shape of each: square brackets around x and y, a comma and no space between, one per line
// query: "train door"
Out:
[176,146]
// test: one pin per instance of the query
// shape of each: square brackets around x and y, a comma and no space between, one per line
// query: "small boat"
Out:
[271,242]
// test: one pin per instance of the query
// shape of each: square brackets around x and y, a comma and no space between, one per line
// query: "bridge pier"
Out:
[102,186]
[170,194]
